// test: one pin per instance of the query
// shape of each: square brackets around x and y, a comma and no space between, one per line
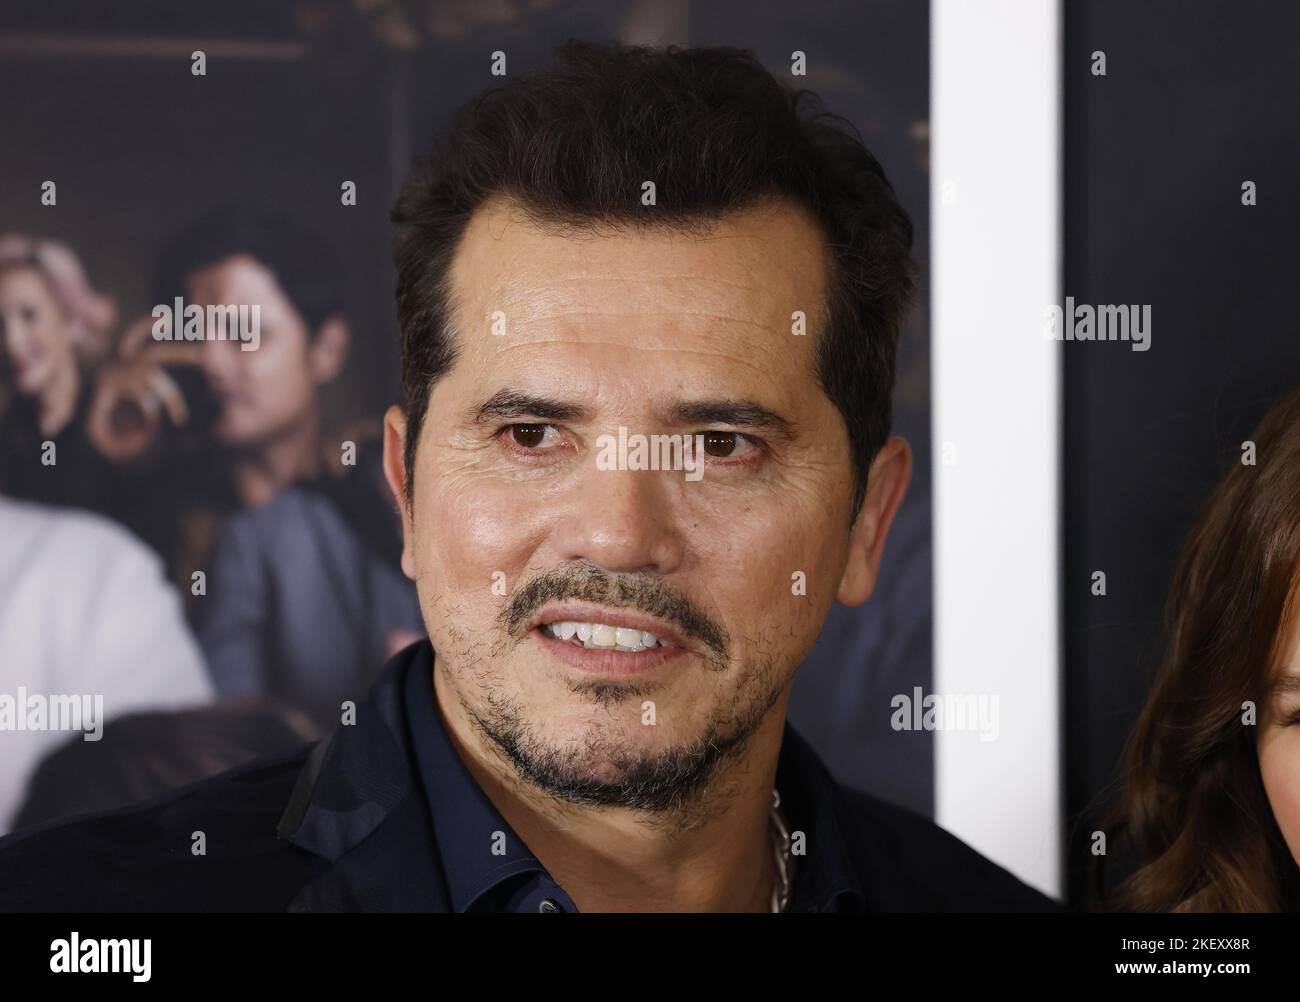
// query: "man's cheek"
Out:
[772,554]
[480,538]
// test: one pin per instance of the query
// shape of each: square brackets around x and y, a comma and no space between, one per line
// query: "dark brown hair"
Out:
[1195,814]
[716,132]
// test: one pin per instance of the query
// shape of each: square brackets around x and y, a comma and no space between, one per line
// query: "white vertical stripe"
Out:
[995,216]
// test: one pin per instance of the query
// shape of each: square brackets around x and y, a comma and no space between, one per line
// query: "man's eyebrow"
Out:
[510,404]
[505,404]
[743,413]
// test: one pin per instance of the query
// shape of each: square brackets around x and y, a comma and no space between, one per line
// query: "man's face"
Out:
[516,523]
[268,391]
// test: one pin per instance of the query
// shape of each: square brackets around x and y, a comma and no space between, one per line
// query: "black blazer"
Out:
[344,825]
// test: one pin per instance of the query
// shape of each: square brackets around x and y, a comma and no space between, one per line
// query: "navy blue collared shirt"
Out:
[468,827]
[346,825]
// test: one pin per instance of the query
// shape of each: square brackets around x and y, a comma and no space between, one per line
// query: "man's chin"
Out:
[592,741]
[243,439]
[231,436]
[647,768]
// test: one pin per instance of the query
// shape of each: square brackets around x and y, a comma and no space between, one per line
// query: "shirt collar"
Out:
[826,879]
[475,858]
[465,820]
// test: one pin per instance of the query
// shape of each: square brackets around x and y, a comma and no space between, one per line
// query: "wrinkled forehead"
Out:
[751,284]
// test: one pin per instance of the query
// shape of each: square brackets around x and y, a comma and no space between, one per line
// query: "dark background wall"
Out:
[300,96]
[1198,97]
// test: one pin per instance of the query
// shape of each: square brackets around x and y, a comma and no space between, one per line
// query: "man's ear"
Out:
[395,474]
[891,471]
[329,349]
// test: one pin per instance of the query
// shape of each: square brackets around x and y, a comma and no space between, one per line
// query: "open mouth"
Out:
[593,646]
[603,637]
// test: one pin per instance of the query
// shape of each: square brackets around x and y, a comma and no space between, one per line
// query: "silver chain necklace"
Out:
[781,848]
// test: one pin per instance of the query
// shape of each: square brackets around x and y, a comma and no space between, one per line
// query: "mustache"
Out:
[586,582]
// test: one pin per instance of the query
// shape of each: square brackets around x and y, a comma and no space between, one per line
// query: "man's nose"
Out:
[623,520]
[217,360]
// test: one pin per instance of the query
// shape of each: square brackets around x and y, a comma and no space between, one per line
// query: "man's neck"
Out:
[610,859]
[262,473]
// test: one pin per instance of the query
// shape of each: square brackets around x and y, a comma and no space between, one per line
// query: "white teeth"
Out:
[602,636]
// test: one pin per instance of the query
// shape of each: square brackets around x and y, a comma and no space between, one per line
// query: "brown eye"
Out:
[720,443]
[528,436]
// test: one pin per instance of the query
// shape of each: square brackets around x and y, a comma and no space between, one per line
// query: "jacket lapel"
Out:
[357,806]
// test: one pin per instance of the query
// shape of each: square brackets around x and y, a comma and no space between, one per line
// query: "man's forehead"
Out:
[234,275]
[753,268]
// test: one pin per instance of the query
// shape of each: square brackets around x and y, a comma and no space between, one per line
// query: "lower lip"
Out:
[619,664]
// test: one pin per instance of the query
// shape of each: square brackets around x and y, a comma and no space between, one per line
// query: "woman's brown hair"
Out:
[1194,812]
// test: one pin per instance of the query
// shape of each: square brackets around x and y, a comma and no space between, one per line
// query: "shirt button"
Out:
[548,905]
